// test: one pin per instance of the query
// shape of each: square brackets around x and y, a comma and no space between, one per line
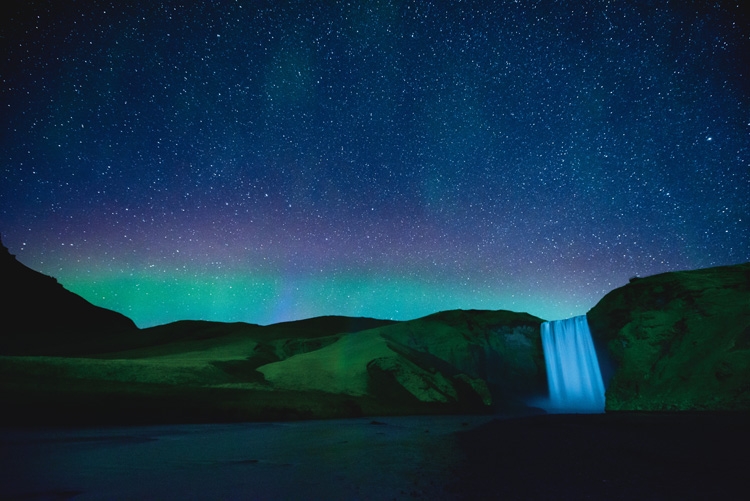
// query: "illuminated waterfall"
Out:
[575,381]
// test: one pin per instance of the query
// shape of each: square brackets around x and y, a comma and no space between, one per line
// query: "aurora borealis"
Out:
[269,161]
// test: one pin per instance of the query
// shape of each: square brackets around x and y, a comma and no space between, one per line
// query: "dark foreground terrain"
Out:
[608,456]
[613,456]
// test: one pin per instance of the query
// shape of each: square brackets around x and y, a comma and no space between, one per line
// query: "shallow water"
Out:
[367,458]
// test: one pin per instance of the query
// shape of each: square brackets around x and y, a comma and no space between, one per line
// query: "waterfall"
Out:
[575,381]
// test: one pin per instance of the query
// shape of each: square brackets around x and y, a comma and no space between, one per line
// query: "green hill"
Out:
[188,371]
[679,341]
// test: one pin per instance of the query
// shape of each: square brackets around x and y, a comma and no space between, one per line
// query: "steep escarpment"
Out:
[679,341]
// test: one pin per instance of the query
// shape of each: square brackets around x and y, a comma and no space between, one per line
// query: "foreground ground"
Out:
[613,456]
[610,456]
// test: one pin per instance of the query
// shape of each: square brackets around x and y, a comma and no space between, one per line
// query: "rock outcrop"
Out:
[465,361]
[678,341]
[501,348]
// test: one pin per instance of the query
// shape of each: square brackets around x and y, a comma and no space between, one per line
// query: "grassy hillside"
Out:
[680,341]
[322,367]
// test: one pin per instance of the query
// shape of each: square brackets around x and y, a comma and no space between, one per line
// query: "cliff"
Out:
[678,341]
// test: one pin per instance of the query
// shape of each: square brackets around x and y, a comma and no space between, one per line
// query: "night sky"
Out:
[269,161]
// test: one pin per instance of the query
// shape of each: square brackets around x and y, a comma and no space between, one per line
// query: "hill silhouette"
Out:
[41,317]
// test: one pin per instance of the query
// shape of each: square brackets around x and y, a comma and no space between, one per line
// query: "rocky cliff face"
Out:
[679,341]
[41,317]
[462,361]
[502,349]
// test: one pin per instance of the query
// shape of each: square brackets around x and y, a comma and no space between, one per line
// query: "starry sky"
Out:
[270,161]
